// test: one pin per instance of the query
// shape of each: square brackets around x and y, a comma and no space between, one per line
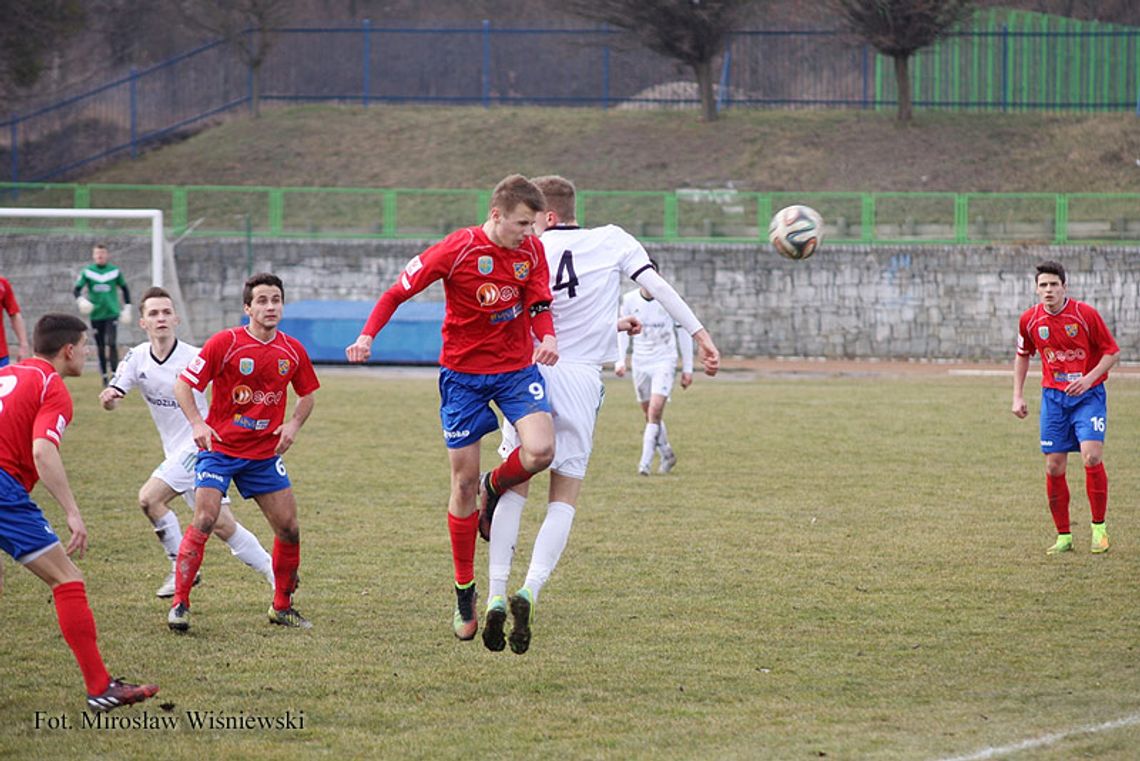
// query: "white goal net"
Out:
[42,251]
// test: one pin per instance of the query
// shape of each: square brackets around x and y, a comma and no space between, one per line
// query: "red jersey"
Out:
[1070,342]
[34,404]
[488,290]
[251,381]
[9,305]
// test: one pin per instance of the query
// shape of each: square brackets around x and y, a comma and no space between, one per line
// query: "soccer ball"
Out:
[796,231]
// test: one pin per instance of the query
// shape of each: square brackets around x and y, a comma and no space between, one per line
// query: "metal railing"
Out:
[1007,61]
[696,215]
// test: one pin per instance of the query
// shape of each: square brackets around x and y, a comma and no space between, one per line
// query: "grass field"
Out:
[840,567]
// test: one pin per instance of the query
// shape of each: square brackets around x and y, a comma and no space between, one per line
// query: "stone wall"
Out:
[932,302]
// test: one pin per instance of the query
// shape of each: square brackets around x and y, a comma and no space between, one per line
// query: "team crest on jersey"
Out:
[1071,330]
[522,269]
[245,366]
[1043,332]
[282,367]
[486,265]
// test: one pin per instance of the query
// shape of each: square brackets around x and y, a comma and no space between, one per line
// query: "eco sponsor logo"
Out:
[243,395]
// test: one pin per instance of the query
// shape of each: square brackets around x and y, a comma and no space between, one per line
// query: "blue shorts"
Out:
[1066,421]
[24,530]
[251,477]
[465,402]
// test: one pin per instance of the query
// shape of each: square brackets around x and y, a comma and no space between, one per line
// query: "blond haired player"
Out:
[586,269]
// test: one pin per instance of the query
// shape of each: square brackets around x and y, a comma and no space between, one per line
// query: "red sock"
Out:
[510,473]
[1096,484]
[286,561]
[1058,490]
[190,554]
[78,626]
[463,531]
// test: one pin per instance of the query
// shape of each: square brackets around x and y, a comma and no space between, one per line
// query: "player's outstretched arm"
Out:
[1089,379]
[110,397]
[203,434]
[710,355]
[289,429]
[1020,370]
[546,353]
[49,464]
[360,349]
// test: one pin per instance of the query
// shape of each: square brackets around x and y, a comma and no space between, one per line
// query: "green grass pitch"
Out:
[845,567]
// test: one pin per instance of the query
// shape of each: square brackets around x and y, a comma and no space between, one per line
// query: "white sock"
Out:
[504,536]
[663,438]
[169,533]
[648,444]
[548,545]
[246,548]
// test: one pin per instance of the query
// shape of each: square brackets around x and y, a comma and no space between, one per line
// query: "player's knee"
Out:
[151,507]
[1092,459]
[289,533]
[539,457]
[465,489]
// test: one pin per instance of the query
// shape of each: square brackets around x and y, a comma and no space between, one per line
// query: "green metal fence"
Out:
[697,215]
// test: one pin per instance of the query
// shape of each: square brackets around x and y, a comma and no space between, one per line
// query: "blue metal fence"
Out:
[1009,61]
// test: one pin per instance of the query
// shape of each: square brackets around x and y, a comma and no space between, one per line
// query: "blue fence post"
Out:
[1004,67]
[15,147]
[367,86]
[726,66]
[134,107]
[486,63]
[606,70]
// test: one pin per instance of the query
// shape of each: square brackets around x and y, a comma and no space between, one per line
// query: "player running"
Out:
[587,267]
[1077,351]
[153,367]
[654,369]
[495,286]
[35,409]
[243,437]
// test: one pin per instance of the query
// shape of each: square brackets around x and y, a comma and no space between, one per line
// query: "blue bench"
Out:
[411,337]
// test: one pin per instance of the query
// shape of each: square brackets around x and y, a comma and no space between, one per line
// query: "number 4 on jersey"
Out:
[565,278]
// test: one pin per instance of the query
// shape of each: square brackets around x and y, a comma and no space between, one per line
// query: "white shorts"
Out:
[653,380]
[177,472]
[576,393]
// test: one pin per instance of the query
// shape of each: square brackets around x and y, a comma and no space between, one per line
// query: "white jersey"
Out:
[586,268]
[656,345]
[155,381]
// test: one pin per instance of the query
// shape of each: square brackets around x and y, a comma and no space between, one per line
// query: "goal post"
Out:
[38,256]
[154,215]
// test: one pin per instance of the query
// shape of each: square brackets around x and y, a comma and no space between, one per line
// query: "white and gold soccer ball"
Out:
[796,231]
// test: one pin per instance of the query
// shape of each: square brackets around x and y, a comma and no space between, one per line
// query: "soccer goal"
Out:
[43,249]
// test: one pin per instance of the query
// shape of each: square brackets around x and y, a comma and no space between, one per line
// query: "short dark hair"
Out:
[53,331]
[1050,268]
[515,189]
[154,292]
[559,194]
[261,278]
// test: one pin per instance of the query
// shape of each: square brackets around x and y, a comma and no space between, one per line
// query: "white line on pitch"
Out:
[1049,739]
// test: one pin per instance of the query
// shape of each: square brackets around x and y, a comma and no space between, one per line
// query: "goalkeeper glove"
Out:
[85,305]
[125,315]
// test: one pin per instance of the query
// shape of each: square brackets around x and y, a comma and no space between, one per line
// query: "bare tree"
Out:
[31,30]
[693,32]
[246,24]
[899,28]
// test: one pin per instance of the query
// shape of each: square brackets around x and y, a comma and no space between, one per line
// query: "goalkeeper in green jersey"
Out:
[101,304]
